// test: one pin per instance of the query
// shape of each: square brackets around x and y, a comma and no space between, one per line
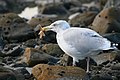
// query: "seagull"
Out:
[78,43]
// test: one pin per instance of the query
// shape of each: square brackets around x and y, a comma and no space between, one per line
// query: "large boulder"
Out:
[107,21]
[51,72]
[14,28]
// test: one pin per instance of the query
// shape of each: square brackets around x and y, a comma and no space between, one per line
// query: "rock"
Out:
[2,43]
[14,28]
[43,21]
[102,77]
[106,56]
[53,9]
[114,38]
[9,74]
[50,72]
[12,50]
[24,72]
[107,21]
[57,9]
[52,49]
[49,38]
[33,56]
[65,60]
[68,61]
[82,19]
[32,43]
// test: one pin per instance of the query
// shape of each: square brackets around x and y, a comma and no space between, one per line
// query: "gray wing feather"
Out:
[85,40]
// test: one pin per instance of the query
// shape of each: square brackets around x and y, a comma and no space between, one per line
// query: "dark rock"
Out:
[14,28]
[83,19]
[52,49]
[49,38]
[2,43]
[102,77]
[24,72]
[53,9]
[12,50]
[32,43]
[114,38]
[67,61]
[33,56]
[9,74]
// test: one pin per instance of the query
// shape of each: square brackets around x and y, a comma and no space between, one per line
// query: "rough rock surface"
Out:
[49,72]
[52,49]
[107,21]
[14,28]
[33,56]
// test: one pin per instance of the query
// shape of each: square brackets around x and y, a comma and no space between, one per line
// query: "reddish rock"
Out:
[50,72]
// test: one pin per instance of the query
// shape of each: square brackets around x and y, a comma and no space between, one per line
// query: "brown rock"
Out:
[33,56]
[83,19]
[107,56]
[43,21]
[52,49]
[50,72]
[107,21]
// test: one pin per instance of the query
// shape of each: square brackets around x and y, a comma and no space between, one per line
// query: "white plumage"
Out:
[78,42]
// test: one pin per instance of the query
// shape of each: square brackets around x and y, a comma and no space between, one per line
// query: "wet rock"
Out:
[14,28]
[106,56]
[12,50]
[33,56]
[107,21]
[49,38]
[53,9]
[68,61]
[32,43]
[9,74]
[2,43]
[43,21]
[52,49]
[49,72]
[82,19]
[24,72]
[102,77]
[114,38]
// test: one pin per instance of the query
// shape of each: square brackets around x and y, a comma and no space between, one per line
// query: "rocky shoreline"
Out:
[24,56]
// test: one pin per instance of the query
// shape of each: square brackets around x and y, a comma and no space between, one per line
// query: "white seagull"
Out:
[78,43]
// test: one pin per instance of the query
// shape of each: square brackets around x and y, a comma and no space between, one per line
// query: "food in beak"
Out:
[41,33]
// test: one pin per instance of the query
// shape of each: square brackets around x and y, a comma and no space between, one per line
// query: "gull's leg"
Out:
[74,63]
[88,64]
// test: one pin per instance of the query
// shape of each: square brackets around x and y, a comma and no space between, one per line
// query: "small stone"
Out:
[50,72]
[52,49]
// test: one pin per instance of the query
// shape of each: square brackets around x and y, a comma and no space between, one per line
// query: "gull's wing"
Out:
[85,40]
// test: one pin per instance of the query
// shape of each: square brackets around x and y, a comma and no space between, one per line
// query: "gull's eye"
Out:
[54,24]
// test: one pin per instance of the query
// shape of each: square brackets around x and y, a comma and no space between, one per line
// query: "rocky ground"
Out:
[24,56]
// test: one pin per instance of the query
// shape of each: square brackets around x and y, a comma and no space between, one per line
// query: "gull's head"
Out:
[57,26]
